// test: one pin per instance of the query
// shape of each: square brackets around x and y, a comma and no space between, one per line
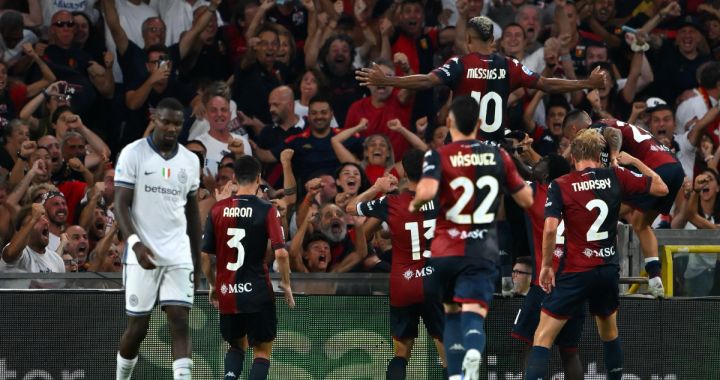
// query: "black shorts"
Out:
[599,286]
[404,320]
[462,279]
[528,318]
[673,176]
[260,327]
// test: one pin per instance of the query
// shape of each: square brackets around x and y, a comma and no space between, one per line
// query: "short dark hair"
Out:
[572,117]
[59,111]
[313,237]
[157,48]
[465,110]
[709,74]
[514,24]
[525,260]
[247,169]
[170,104]
[412,163]
[558,166]
[557,101]
[319,98]
[483,27]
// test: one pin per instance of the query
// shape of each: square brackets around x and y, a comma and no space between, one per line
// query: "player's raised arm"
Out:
[555,85]
[383,185]
[658,187]
[374,76]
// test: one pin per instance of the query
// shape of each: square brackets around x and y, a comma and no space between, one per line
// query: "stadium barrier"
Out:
[73,335]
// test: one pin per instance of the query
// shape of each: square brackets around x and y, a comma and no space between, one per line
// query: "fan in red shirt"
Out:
[468,177]
[483,74]
[411,234]
[588,201]
[641,144]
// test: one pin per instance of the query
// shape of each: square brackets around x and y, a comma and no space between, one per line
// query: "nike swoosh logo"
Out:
[148,173]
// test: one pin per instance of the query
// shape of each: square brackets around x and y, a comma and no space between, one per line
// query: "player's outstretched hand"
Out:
[597,78]
[371,76]
[287,292]
[386,183]
[144,256]
[625,159]
[547,279]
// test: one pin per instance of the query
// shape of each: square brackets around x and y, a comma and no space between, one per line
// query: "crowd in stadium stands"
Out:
[276,79]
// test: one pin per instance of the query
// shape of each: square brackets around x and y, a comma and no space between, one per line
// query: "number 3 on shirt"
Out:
[484,101]
[236,234]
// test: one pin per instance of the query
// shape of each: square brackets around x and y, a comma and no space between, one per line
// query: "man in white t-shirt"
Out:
[50,7]
[705,97]
[216,140]
[28,250]
[56,212]
[156,180]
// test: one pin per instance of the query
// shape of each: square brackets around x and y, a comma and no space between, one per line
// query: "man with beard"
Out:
[344,253]
[383,105]
[56,211]
[77,245]
[336,58]
[28,250]
[218,139]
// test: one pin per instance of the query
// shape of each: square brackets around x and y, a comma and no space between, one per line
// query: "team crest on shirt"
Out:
[182,176]
[133,300]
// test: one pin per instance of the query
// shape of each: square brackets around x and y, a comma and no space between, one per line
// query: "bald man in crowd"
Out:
[285,122]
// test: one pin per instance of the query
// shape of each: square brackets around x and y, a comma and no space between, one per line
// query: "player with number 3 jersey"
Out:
[238,231]
[483,74]
[468,177]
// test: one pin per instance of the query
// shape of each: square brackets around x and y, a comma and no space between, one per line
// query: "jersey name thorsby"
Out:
[592,184]
[481,73]
[473,159]
[234,212]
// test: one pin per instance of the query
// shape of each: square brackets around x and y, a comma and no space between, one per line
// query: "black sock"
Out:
[259,369]
[653,268]
[613,359]
[537,364]
[234,358]
[445,374]
[396,368]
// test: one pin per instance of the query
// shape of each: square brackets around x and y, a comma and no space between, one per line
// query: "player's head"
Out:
[479,29]
[575,121]
[550,167]
[463,116]
[587,146]
[412,163]
[247,171]
[316,252]
[168,119]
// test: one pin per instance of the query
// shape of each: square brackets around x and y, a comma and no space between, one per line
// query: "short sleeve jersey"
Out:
[237,232]
[411,235]
[471,175]
[638,143]
[489,79]
[589,203]
[536,214]
[161,188]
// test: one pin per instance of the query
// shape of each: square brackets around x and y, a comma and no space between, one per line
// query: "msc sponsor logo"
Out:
[236,288]
[417,273]
[602,252]
[473,234]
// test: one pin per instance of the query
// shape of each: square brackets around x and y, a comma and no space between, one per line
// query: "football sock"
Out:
[182,369]
[259,369]
[125,367]
[473,327]
[445,374]
[652,266]
[613,359]
[234,358]
[453,342]
[396,368]
[537,364]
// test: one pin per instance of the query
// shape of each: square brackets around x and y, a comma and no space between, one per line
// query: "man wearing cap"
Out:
[705,98]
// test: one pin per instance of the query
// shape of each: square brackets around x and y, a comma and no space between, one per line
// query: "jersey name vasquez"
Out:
[482,73]
[472,159]
[593,184]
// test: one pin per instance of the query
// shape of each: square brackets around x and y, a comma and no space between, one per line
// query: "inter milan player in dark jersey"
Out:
[588,200]
[411,234]
[641,144]
[468,177]
[483,74]
[550,167]
[237,233]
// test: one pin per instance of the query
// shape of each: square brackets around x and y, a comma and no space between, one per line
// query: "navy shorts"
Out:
[404,320]
[260,327]
[462,279]
[673,176]
[528,318]
[599,286]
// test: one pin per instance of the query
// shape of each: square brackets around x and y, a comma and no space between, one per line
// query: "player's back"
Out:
[589,203]
[412,233]
[536,214]
[472,176]
[241,229]
[639,143]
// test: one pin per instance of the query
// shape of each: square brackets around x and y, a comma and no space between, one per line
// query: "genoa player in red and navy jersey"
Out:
[468,177]
[411,234]
[642,145]
[588,200]
[483,74]
[237,232]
